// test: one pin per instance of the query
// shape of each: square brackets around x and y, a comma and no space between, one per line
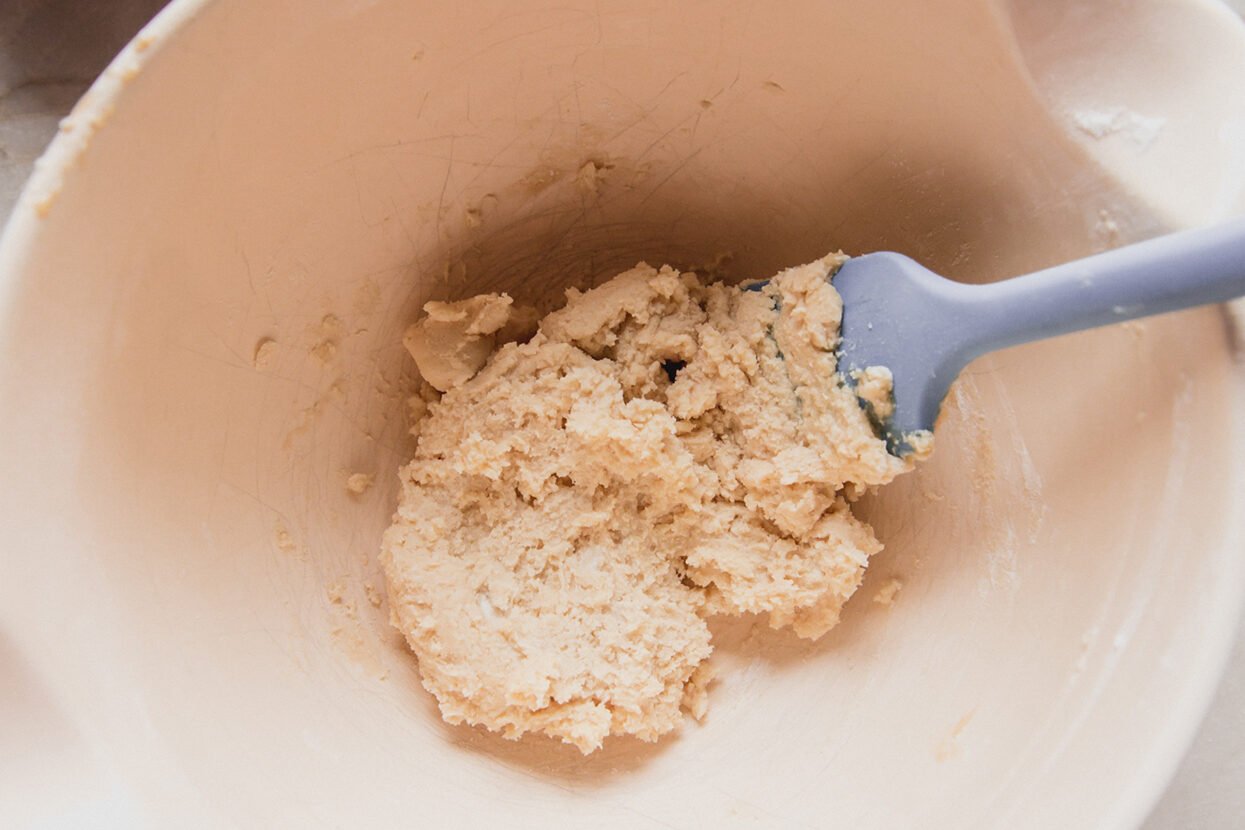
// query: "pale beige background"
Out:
[50,50]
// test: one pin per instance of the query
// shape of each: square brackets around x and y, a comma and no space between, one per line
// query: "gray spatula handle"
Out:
[1169,273]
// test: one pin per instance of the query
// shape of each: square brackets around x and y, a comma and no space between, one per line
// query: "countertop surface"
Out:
[50,50]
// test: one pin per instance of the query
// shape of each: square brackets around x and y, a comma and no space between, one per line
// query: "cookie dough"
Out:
[660,451]
[454,340]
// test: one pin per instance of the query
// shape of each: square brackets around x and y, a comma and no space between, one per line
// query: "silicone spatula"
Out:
[926,328]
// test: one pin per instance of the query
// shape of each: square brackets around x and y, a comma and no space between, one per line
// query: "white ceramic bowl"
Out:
[186,630]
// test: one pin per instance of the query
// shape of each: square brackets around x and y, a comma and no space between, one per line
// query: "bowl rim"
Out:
[89,114]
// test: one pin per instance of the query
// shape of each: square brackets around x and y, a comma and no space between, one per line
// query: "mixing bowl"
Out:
[204,289]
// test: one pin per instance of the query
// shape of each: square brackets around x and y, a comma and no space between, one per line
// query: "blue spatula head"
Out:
[899,315]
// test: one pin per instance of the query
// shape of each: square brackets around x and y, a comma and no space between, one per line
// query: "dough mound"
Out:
[660,451]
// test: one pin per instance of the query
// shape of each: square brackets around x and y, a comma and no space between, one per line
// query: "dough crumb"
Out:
[1105,232]
[336,593]
[590,177]
[696,692]
[324,351]
[265,350]
[876,387]
[358,483]
[540,179]
[349,635]
[330,331]
[331,326]
[417,406]
[284,541]
[886,594]
[44,206]
[660,451]
[452,342]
